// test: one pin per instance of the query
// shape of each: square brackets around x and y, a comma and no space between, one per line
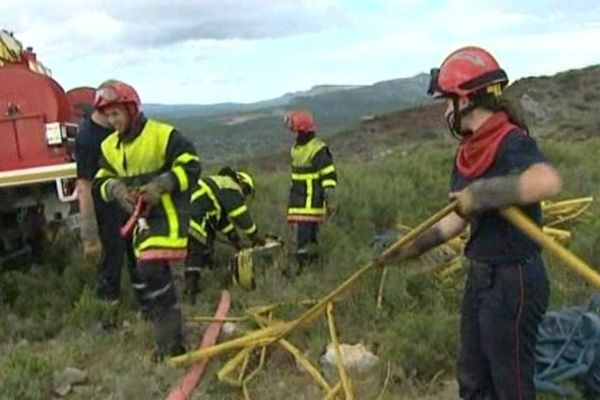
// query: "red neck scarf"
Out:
[478,151]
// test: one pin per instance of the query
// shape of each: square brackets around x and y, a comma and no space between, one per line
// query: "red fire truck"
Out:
[38,125]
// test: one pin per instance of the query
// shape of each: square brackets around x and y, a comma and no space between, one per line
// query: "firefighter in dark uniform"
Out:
[497,165]
[312,190]
[149,165]
[218,204]
[100,222]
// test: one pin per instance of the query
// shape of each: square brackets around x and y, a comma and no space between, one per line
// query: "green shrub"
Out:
[25,375]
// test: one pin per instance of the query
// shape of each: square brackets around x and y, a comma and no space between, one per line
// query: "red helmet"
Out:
[116,92]
[466,71]
[300,121]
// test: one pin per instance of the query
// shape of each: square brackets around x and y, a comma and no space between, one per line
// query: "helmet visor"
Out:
[434,88]
[288,123]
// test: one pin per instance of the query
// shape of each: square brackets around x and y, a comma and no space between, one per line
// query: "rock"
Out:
[63,381]
[354,356]
[62,389]
[229,329]
[534,107]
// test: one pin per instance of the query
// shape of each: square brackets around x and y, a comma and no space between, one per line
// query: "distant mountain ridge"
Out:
[230,131]
[218,109]
[214,110]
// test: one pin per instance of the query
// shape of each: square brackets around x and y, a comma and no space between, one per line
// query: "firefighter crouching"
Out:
[218,204]
[312,190]
[151,164]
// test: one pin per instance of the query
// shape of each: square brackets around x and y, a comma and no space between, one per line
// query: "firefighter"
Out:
[497,165]
[312,197]
[148,166]
[99,221]
[218,205]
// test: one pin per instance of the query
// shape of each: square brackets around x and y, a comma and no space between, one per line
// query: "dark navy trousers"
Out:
[503,305]
[110,218]
[306,242]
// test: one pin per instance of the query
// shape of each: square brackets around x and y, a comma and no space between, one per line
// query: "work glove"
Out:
[330,202]
[486,194]
[118,190]
[429,239]
[152,191]
[234,240]
[256,239]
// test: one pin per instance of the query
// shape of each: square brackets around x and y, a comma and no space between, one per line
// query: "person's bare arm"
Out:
[92,248]
[84,196]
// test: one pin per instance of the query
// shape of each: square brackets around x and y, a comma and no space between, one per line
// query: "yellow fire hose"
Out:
[521,221]
[566,210]
[346,383]
[239,361]
[300,359]
[334,392]
[275,332]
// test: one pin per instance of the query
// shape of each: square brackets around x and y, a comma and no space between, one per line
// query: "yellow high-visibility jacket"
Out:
[312,172]
[136,159]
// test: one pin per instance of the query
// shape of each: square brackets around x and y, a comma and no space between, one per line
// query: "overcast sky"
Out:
[210,51]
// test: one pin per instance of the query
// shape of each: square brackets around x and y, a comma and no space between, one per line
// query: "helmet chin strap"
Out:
[133,116]
[454,119]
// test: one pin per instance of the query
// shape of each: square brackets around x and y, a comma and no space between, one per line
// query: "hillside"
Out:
[560,107]
[563,106]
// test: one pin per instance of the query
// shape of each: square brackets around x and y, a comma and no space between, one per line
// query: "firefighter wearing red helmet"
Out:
[100,222]
[148,166]
[312,190]
[497,165]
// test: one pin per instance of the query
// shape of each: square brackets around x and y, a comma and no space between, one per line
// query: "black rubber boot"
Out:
[168,333]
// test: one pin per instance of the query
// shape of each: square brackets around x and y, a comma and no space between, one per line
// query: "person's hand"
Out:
[92,251]
[257,240]
[92,248]
[422,243]
[125,196]
[330,203]
[331,211]
[464,201]
[404,253]
[234,240]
